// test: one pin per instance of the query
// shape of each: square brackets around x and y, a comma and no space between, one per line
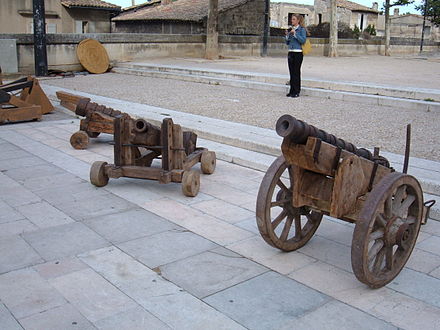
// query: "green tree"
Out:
[386,6]
[432,11]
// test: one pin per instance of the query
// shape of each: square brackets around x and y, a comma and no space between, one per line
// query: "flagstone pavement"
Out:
[139,255]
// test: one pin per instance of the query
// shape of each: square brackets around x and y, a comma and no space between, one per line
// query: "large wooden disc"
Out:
[92,56]
[387,229]
[280,224]
[190,183]
[98,177]
[208,162]
[79,140]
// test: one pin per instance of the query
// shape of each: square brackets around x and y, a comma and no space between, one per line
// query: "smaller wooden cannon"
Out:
[23,100]
[319,174]
[137,143]
[97,118]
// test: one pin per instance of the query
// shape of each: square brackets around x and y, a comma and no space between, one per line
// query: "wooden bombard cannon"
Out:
[98,118]
[319,174]
[23,100]
[138,143]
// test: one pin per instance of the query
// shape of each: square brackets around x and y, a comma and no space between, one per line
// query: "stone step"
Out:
[375,95]
[247,145]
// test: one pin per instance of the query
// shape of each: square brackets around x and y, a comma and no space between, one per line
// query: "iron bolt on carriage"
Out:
[319,174]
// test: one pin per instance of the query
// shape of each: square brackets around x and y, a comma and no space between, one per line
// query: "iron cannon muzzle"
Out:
[298,131]
[141,126]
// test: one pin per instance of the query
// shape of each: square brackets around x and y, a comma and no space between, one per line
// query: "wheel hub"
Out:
[397,232]
[287,205]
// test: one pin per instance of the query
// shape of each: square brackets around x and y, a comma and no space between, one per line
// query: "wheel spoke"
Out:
[281,202]
[278,219]
[377,234]
[372,253]
[389,257]
[298,229]
[377,266]
[286,228]
[405,205]
[398,197]
[282,185]
[381,220]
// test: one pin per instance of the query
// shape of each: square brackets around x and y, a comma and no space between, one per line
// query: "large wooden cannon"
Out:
[97,118]
[23,100]
[319,174]
[137,143]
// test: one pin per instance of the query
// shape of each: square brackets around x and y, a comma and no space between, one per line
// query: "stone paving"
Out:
[139,255]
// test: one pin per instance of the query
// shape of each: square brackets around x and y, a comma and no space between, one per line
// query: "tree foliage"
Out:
[432,11]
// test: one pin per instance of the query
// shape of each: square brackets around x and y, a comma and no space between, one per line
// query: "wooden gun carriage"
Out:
[137,143]
[23,100]
[319,174]
[97,118]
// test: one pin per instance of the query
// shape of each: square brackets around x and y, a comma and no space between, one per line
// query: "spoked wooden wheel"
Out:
[79,140]
[387,229]
[280,224]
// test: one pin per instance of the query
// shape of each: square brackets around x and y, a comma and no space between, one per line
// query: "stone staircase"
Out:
[420,99]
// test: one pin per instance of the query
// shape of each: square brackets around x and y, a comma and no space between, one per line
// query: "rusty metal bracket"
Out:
[316,151]
[373,175]
[337,158]
[426,208]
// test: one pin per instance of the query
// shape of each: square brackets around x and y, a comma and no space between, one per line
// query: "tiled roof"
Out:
[180,10]
[90,3]
[353,6]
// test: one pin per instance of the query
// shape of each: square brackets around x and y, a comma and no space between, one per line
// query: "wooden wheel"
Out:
[98,177]
[208,162]
[93,134]
[190,183]
[387,229]
[79,140]
[280,224]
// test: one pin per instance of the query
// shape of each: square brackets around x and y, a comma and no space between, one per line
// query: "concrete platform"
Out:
[421,99]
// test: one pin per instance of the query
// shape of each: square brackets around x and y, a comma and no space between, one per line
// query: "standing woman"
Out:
[295,37]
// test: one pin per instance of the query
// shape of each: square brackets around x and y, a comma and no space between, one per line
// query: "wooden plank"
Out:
[117,150]
[304,156]
[192,159]
[177,149]
[69,100]
[36,95]
[311,189]
[349,184]
[167,143]
[32,112]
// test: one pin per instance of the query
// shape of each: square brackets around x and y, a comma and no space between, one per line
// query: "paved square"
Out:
[137,254]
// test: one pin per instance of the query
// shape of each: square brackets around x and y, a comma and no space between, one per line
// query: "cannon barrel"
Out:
[84,107]
[298,131]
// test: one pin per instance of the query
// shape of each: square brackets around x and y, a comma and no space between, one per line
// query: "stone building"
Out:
[236,17]
[348,12]
[410,26]
[281,13]
[62,16]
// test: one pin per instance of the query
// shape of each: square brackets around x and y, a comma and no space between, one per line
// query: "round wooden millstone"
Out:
[92,56]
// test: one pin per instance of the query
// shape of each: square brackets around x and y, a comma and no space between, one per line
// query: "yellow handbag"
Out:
[306,47]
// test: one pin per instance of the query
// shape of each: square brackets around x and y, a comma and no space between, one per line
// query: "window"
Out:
[319,18]
[81,26]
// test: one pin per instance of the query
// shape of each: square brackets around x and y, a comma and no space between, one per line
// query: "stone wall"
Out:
[247,19]
[61,48]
